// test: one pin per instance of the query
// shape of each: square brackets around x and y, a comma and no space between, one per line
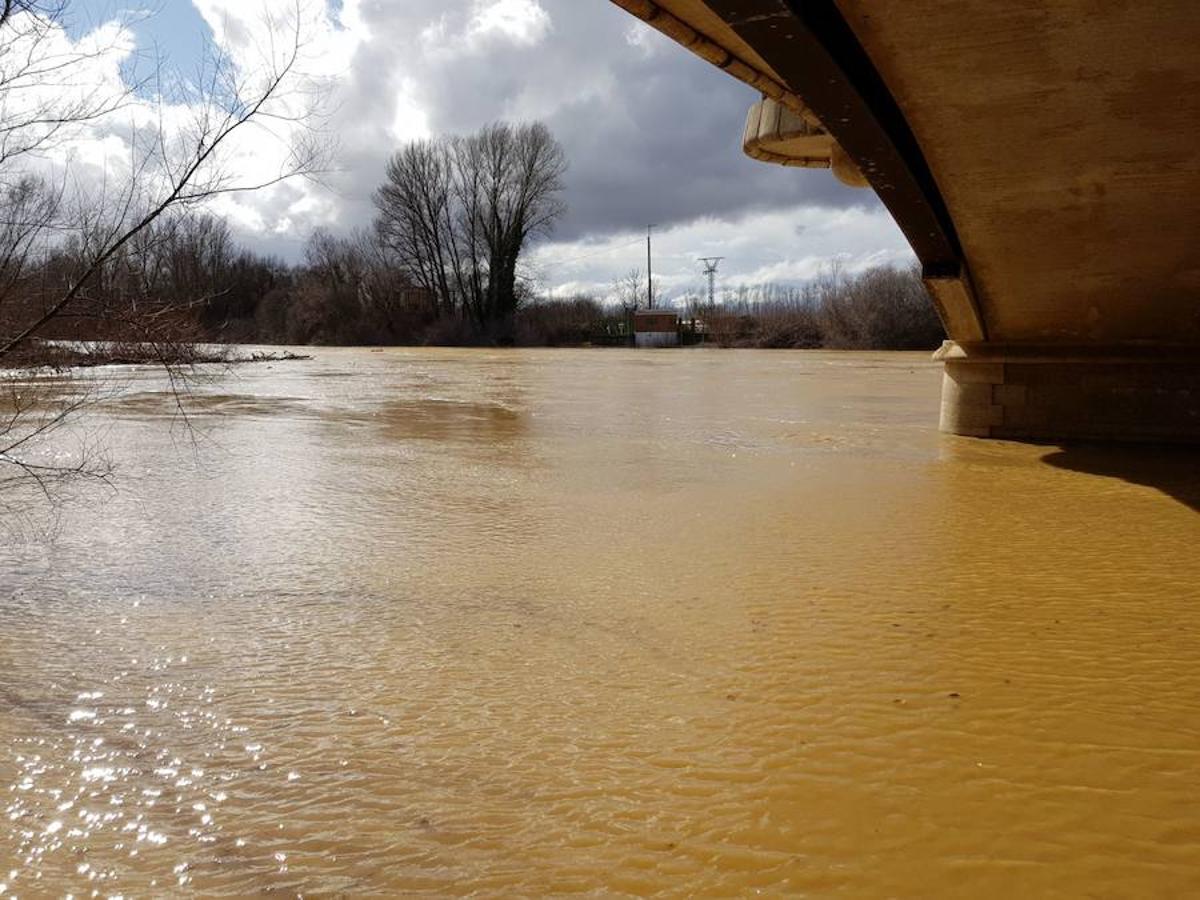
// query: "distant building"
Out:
[655,328]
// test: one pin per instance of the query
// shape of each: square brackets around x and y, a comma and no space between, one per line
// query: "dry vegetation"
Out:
[184,281]
[880,309]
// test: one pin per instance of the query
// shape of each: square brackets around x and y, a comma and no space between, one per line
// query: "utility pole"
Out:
[649,274]
[710,269]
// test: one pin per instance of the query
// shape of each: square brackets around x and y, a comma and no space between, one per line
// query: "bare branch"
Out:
[103,254]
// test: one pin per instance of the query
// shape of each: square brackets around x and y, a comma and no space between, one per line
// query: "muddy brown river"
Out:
[603,622]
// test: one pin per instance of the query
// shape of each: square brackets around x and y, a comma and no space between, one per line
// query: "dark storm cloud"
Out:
[670,150]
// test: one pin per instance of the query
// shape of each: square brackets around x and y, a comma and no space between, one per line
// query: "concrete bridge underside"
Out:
[1043,159]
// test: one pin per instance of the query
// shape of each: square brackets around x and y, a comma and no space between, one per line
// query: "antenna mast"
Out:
[649,272]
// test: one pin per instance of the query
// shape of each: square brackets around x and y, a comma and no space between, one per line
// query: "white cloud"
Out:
[523,22]
[643,39]
[517,23]
[409,122]
[98,155]
[759,248]
[251,30]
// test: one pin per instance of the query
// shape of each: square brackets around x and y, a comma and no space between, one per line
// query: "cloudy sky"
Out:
[652,134]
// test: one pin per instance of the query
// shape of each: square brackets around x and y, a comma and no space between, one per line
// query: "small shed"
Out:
[655,328]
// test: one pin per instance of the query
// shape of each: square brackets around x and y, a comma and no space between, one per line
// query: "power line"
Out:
[575,259]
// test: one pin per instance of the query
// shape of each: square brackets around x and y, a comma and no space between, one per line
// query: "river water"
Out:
[524,623]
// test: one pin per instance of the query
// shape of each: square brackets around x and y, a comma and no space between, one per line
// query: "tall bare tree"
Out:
[458,212]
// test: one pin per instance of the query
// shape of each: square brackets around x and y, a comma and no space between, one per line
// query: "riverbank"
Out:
[61,355]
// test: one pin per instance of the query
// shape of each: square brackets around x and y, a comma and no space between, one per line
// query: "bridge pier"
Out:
[1041,392]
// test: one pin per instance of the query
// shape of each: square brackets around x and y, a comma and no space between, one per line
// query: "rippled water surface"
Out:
[515,623]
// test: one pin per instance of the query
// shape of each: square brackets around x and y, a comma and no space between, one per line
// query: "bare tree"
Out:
[881,308]
[171,171]
[630,290]
[458,212]
[27,210]
[418,221]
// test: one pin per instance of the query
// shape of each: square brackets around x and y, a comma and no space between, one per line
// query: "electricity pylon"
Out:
[710,269]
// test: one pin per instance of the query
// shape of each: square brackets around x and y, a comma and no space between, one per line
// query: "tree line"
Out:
[881,308]
[184,279]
